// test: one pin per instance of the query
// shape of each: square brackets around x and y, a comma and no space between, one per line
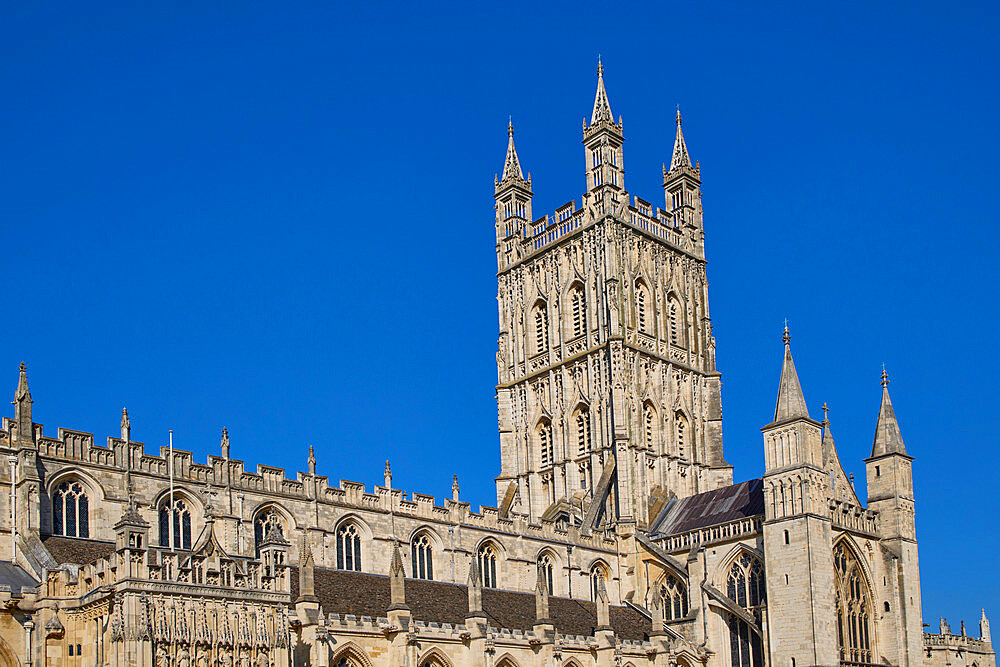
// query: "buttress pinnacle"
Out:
[512,165]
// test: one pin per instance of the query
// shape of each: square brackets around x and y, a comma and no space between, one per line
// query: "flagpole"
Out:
[170,510]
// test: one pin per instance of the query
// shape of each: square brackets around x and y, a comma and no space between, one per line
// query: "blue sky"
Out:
[279,220]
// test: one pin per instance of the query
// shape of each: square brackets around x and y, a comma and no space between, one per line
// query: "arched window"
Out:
[175,524]
[745,586]
[674,597]
[70,510]
[422,556]
[545,569]
[675,317]
[545,447]
[582,420]
[540,318]
[349,547]
[488,565]
[648,425]
[598,574]
[578,305]
[854,608]
[683,433]
[642,315]
[266,521]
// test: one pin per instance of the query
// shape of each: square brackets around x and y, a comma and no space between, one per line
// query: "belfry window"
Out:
[545,448]
[582,431]
[175,524]
[641,307]
[854,608]
[745,587]
[578,306]
[70,511]
[422,556]
[541,324]
[673,595]
[488,565]
[545,570]
[349,548]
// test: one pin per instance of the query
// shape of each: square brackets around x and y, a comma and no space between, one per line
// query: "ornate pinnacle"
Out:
[786,337]
[885,377]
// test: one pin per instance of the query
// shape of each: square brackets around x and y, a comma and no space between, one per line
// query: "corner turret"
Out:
[682,190]
[603,139]
[513,194]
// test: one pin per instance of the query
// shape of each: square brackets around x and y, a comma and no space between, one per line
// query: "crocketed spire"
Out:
[680,158]
[511,166]
[791,403]
[888,440]
[602,108]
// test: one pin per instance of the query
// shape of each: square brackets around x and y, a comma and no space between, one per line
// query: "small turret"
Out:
[890,473]
[682,190]
[512,194]
[603,139]
[984,628]
[126,427]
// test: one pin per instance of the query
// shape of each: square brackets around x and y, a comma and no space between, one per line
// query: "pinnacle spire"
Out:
[22,383]
[602,108]
[888,440]
[680,157]
[511,166]
[791,402]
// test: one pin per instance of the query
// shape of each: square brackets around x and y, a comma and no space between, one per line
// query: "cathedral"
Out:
[619,537]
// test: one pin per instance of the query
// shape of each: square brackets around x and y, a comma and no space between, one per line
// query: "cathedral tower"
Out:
[890,492]
[608,398]
[798,531]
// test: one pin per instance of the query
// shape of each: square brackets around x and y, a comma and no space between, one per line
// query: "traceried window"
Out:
[422,556]
[349,547]
[175,524]
[265,522]
[642,317]
[487,556]
[854,608]
[540,319]
[70,510]
[648,425]
[578,307]
[681,426]
[745,586]
[597,156]
[582,431]
[545,447]
[675,320]
[674,597]
[598,574]
[545,569]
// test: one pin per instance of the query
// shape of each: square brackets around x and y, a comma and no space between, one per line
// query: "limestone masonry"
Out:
[619,537]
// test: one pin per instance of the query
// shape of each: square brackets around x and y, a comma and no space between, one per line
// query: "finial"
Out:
[510,126]
[311,462]
[678,119]
[885,377]
[851,476]
[388,475]
[600,66]
[826,411]
[786,337]
[23,368]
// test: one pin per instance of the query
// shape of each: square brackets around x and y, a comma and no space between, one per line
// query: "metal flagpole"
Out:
[170,509]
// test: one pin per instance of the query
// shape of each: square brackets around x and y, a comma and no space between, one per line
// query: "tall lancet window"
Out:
[540,319]
[745,587]
[349,547]
[578,306]
[487,556]
[423,557]
[545,569]
[854,608]
[70,510]
[648,425]
[545,447]
[582,430]
[683,434]
[642,316]
[675,318]
[175,516]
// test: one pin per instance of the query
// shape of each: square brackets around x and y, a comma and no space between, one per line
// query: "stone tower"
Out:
[608,397]
[798,532]
[890,492]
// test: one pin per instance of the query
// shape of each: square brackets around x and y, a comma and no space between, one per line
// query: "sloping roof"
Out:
[15,578]
[711,508]
[77,551]
[363,594]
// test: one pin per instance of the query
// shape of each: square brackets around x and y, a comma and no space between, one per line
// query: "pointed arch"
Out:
[676,320]
[268,515]
[434,657]
[673,594]
[352,654]
[723,567]
[7,657]
[598,571]
[650,425]
[539,323]
[71,493]
[424,542]
[683,437]
[545,443]
[490,555]
[572,662]
[644,317]
[547,563]
[582,429]
[576,298]
[178,516]
[856,610]
[352,536]
[506,660]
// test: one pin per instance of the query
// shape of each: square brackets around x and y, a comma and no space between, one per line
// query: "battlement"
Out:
[851,517]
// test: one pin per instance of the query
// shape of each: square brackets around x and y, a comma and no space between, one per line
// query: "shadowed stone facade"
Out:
[619,537]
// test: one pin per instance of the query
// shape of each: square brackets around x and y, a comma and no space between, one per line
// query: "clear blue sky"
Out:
[280,220]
